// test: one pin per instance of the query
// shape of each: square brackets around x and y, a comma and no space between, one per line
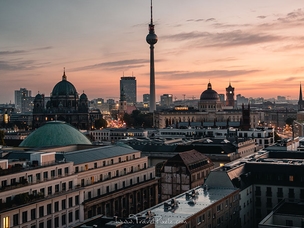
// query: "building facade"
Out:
[65,105]
[128,86]
[61,186]
[182,172]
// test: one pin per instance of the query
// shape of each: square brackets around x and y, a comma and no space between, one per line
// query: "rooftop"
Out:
[177,210]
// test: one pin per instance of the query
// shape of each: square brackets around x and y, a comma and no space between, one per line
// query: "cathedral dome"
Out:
[83,97]
[64,88]
[209,94]
[55,133]
[38,97]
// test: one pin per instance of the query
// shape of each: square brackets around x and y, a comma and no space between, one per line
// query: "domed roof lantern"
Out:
[64,77]
[209,94]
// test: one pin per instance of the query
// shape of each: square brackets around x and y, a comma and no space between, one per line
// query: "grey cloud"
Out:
[24,51]
[18,65]
[225,39]
[199,74]
[261,17]
[210,19]
[122,64]
[12,52]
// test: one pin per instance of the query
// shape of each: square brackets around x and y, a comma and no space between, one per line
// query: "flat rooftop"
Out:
[177,210]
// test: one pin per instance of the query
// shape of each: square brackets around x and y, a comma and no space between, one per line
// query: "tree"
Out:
[289,121]
[100,123]
[138,119]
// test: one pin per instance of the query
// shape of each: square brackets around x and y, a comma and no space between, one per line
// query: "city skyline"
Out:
[253,45]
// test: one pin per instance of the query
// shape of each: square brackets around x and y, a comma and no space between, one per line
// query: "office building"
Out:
[23,100]
[128,86]
[166,100]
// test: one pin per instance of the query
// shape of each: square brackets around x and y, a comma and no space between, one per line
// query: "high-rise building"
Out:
[166,100]
[152,39]
[128,85]
[23,100]
[146,98]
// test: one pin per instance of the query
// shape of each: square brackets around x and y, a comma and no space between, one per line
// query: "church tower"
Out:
[300,102]
[230,95]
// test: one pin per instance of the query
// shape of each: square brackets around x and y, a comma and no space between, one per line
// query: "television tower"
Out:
[152,39]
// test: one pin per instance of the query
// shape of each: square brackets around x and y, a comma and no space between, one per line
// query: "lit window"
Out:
[291,178]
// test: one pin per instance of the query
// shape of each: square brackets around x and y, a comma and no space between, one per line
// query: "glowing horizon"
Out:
[257,46]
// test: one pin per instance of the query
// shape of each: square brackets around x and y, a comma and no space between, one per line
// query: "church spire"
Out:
[300,102]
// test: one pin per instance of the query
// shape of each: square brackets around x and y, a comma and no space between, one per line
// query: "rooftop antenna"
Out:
[151,14]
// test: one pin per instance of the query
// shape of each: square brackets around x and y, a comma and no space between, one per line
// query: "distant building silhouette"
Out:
[230,95]
[64,105]
[128,85]
[300,102]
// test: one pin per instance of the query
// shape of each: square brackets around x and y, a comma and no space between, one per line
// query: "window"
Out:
[49,223]
[57,188]
[24,216]
[63,219]
[66,170]
[41,211]
[56,222]
[63,204]
[41,225]
[71,202]
[45,175]
[89,195]
[291,193]
[42,191]
[76,200]
[15,219]
[60,172]
[76,214]
[280,192]
[70,217]
[30,178]
[291,178]
[56,207]
[98,192]
[52,173]
[70,184]
[33,214]
[49,209]
[268,191]
[50,190]
[77,169]
[63,186]
[38,178]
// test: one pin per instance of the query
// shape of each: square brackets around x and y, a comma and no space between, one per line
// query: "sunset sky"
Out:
[256,45]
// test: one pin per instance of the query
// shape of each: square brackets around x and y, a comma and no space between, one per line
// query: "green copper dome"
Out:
[55,133]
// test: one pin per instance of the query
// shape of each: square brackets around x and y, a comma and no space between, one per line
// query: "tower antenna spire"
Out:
[151,14]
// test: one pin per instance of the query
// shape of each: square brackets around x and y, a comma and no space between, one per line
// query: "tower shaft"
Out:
[152,80]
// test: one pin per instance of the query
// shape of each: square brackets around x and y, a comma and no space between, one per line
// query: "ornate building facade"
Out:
[209,113]
[65,105]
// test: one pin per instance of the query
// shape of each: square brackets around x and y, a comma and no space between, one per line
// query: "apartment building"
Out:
[61,186]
